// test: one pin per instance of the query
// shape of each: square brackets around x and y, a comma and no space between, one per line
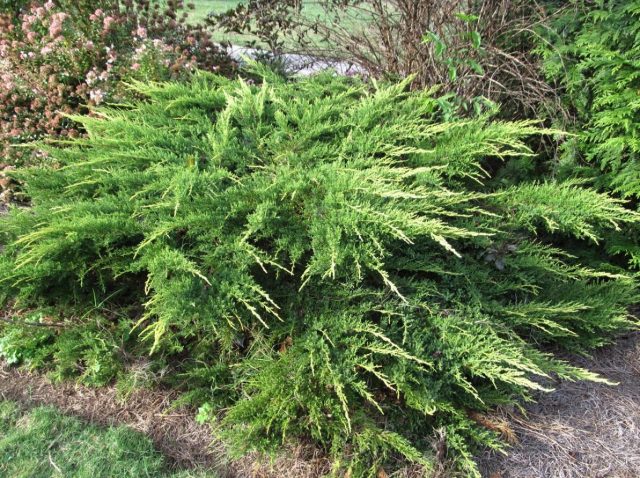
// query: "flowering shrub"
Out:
[60,56]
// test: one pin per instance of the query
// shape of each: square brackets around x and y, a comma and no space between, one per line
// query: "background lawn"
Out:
[204,7]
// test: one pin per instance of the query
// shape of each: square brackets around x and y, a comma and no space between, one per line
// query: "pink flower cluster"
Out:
[55,27]
[38,18]
[108,21]
[96,15]
[54,62]
[141,32]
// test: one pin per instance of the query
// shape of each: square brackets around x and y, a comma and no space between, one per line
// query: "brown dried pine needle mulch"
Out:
[582,430]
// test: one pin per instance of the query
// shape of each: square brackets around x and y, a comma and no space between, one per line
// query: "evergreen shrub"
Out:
[324,259]
[591,53]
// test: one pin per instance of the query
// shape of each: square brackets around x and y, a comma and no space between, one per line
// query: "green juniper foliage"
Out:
[321,258]
[592,53]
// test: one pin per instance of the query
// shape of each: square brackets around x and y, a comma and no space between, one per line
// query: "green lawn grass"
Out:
[43,443]
[204,7]
[311,10]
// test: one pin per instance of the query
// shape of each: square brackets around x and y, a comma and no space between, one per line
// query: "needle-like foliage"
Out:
[592,53]
[322,258]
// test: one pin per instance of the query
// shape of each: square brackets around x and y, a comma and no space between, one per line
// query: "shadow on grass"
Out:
[43,443]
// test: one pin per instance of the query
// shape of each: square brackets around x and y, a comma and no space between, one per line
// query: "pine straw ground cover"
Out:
[582,430]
